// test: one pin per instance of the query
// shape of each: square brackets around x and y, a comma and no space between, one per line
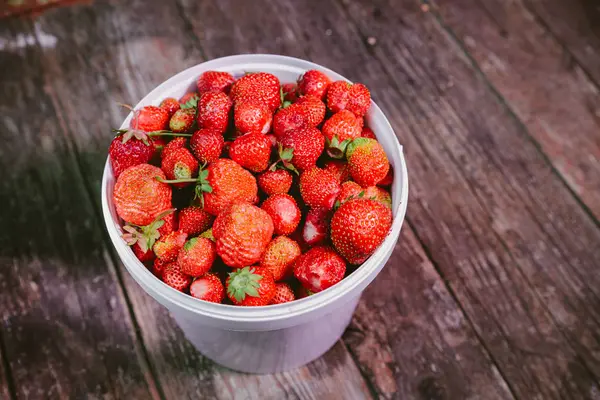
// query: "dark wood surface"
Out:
[493,291]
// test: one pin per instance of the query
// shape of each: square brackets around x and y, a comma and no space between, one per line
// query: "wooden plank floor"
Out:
[493,291]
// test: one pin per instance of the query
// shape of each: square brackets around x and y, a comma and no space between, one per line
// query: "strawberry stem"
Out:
[186,180]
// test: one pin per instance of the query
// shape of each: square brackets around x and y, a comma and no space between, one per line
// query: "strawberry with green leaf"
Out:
[367,162]
[339,130]
[142,238]
[250,286]
[306,147]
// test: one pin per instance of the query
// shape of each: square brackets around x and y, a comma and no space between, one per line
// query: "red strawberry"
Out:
[177,143]
[142,238]
[251,151]
[358,227]
[252,117]
[368,133]
[284,212]
[168,246]
[367,161]
[316,226]
[189,100]
[183,120]
[139,197]
[378,194]
[306,146]
[150,118]
[173,277]
[179,164]
[319,188]
[170,104]
[250,286]
[127,153]
[194,220]
[197,256]
[207,145]
[313,82]
[315,109]
[272,182]
[339,130]
[214,81]
[289,92]
[242,233]
[319,268]
[258,87]
[342,95]
[388,179]
[290,118]
[143,256]
[208,288]
[158,268]
[279,257]
[350,190]
[213,111]
[283,294]
[339,168]
[230,184]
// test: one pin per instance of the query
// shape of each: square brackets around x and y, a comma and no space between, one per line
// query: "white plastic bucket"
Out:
[272,338]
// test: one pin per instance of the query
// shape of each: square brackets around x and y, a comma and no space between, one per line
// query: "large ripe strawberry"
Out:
[242,234]
[358,227]
[179,164]
[229,184]
[339,130]
[127,153]
[339,168]
[250,286]
[261,87]
[173,277]
[284,212]
[313,82]
[208,288]
[150,118]
[319,188]
[279,257]
[283,294]
[183,120]
[316,226]
[139,197]
[218,81]
[293,117]
[167,247]
[170,104]
[350,190]
[194,220]
[252,116]
[319,268]
[342,95]
[197,256]
[251,151]
[176,143]
[213,111]
[277,181]
[379,194]
[207,145]
[315,109]
[142,238]
[367,162]
[306,146]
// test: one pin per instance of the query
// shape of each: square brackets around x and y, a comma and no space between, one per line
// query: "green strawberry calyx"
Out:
[285,160]
[356,143]
[243,282]
[284,103]
[335,148]
[145,235]
[202,184]
[127,134]
[191,103]
[208,235]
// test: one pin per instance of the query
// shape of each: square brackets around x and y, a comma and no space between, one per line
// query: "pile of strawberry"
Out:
[252,192]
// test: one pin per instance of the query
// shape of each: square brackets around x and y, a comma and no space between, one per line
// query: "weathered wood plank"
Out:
[576,24]
[5,380]
[131,33]
[522,267]
[551,94]
[66,328]
[409,335]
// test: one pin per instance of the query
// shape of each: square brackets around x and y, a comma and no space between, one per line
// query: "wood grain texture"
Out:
[66,327]
[576,25]
[5,379]
[522,267]
[129,33]
[547,90]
